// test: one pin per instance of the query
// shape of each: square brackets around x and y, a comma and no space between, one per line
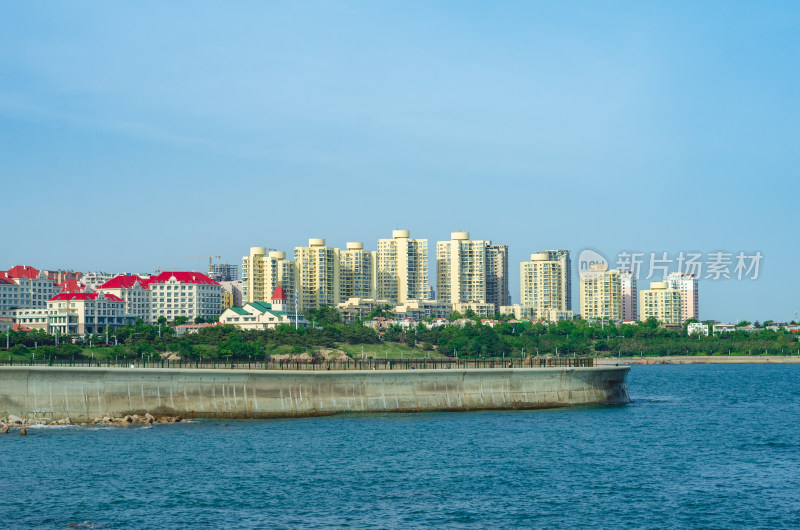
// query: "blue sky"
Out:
[134,134]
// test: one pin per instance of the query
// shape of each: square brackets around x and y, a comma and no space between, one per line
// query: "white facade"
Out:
[134,292]
[185,294]
[31,290]
[697,328]
[687,285]
[259,316]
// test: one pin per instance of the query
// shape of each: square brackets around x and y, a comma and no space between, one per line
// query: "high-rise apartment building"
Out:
[358,272]
[402,268]
[262,271]
[687,285]
[562,256]
[542,283]
[662,303]
[630,295]
[601,293]
[497,275]
[317,275]
[471,271]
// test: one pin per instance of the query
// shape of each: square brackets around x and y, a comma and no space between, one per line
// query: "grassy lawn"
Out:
[388,350]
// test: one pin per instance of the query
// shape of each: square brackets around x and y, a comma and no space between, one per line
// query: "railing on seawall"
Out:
[312,364]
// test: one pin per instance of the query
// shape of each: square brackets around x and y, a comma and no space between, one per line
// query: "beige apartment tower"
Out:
[262,271]
[542,283]
[663,303]
[358,271]
[562,256]
[471,271]
[317,275]
[402,268]
[601,293]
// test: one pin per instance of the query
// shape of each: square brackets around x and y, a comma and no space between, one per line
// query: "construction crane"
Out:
[210,260]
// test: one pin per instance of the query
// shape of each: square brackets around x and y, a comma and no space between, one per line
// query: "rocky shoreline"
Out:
[12,422]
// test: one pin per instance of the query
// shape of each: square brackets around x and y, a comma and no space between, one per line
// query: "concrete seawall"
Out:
[87,393]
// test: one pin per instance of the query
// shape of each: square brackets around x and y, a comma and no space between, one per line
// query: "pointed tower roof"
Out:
[278,293]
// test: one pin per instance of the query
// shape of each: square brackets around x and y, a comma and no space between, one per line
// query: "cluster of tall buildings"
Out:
[396,273]
[470,275]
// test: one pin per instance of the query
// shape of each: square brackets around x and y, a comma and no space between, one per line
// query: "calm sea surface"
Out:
[701,446]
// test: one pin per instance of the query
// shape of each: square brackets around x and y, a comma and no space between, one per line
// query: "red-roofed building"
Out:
[278,294]
[279,299]
[135,292]
[24,287]
[76,313]
[72,286]
[22,271]
[185,294]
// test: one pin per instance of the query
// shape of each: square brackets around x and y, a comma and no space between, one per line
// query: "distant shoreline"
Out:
[701,359]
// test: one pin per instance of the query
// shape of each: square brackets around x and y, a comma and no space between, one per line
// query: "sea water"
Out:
[700,446]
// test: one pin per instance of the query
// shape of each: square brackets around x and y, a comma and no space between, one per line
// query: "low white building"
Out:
[481,309]
[360,308]
[724,328]
[263,315]
[528,312]
[697,328]
[423,309]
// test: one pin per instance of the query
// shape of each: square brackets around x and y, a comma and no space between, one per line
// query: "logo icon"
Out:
[591,264]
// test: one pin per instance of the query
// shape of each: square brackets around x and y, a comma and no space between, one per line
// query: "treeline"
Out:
[208,343]
[471,340]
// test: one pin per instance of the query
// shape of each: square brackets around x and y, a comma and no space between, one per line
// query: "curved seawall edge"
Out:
[52,393]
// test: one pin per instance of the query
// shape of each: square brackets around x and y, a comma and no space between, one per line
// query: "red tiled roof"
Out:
[4,280]
[19,327]
[183,277]
[85,296]
[72,286]
[22,271]
[125,282]
[278,293]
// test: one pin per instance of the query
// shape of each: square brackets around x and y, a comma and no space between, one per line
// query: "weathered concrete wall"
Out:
[87,393]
